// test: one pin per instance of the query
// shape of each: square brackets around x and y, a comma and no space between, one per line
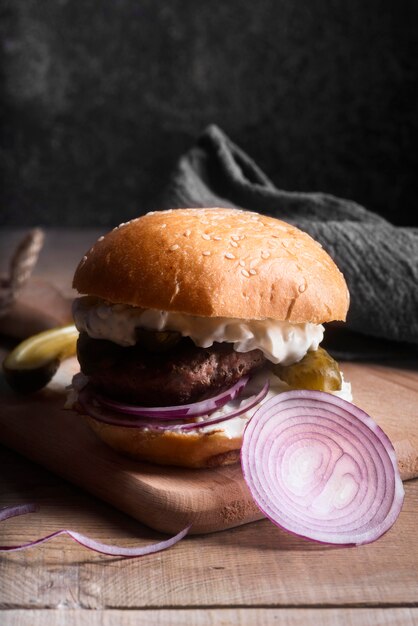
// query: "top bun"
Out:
[215,263]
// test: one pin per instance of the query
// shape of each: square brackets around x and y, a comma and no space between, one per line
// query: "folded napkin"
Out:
[378,259]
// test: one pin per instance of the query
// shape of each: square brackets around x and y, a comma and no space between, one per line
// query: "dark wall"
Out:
[102,96]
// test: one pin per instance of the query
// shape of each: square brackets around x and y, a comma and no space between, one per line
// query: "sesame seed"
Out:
[229,255]
[234,244]
[242,263]
[285,244]
[252,271]
[163,225]
[302,287]
[245,273]
[217,238]
[253,262]
[187,233]
[235,237]
[205,236]
[84,259]
[206,253]
[174,247]
[265,254]
[100,238]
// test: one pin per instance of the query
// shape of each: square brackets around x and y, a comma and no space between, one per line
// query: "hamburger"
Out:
[189,318]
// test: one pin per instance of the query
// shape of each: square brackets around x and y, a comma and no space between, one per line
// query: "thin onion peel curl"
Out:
[87,542]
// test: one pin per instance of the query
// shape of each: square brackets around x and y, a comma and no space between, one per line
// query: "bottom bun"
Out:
[212,449]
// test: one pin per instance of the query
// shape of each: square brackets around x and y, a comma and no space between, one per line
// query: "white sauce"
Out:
[235,427]
[281,342]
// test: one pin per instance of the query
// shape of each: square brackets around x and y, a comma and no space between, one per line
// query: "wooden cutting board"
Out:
[168,499]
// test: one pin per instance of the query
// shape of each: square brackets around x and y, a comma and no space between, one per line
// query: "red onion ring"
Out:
[195,409]
[86,400]
[321,468]
[87,542]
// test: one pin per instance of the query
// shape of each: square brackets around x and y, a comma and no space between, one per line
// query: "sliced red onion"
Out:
[321,468]
[91,544]
[196,409]
[18,509]
[87,402]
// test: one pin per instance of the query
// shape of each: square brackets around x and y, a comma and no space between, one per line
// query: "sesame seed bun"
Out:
[215,263]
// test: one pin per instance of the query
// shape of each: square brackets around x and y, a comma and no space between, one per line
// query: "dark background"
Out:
[100,98]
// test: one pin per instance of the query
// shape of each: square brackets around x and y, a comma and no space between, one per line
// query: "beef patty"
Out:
[182,374]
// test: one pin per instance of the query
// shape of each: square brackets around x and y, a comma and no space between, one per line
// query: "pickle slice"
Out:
[316,371]
[32,364]
[157,341]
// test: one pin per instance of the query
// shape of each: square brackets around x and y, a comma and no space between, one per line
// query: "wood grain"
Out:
[215,617]
[254,574]
[255,565]
[390,396]
[168,500]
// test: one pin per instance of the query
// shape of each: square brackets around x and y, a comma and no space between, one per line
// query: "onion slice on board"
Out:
[180,411]
[321,468]
[87,542]
[86,400]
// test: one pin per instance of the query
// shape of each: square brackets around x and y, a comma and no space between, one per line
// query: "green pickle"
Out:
[32,364]
[157,341]
[316,371]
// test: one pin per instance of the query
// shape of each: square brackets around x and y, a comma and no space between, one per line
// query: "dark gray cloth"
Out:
[378,260]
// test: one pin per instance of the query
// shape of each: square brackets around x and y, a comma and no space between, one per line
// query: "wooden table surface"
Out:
[254,574]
